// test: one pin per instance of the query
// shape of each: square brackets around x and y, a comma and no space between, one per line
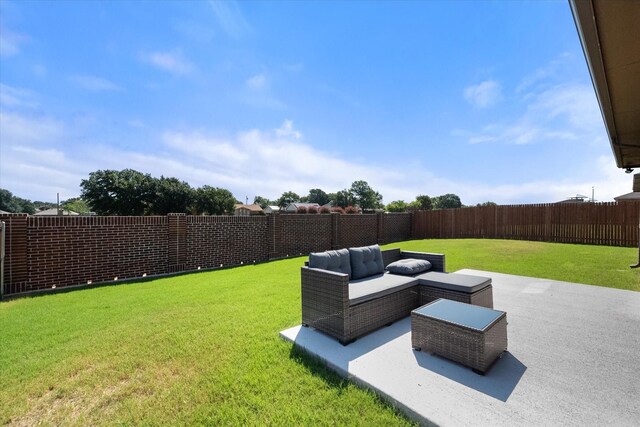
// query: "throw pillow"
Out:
[409,266]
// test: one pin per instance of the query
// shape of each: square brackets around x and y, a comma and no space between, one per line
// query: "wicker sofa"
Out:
[347,309]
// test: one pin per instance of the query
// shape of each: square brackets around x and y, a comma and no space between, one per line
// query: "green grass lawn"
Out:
[203,348]
[593,265]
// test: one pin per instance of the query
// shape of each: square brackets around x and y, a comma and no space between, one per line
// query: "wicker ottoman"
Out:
[476,290]
[471,335]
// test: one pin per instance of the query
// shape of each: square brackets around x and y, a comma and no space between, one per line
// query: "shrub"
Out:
[312,210]
[301,210]
[351,210]
[325,210]
[337,209]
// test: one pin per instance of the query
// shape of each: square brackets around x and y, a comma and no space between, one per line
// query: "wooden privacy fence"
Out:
[612,224]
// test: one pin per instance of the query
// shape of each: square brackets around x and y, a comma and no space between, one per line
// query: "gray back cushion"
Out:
[366,261]
[337,261]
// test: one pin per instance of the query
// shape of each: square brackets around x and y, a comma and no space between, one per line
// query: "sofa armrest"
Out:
[325,299]
[437,261]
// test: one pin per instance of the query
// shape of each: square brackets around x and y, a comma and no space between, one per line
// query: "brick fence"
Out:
[43,252]
[47,252]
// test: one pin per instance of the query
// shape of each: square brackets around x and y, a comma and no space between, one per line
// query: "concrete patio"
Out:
[573,359]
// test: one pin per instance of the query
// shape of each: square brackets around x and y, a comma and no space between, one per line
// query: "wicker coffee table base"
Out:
[473,348]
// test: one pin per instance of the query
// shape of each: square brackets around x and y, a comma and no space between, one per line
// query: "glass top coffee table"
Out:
[471,335]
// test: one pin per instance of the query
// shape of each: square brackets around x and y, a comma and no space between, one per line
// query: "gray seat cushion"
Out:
[337,261]
[371,288]
[409,266]
[366,261]
[454,281]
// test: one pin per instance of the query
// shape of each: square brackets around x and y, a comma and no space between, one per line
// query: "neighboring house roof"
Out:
[250,208]
[576,199]
[612,49]
[54,212]
[295,206]
[4,212]
[634,195]
[629,197]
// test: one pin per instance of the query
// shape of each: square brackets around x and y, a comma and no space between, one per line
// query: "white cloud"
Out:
[30,166]
[172,62]
[562,112]
[485,94]
[287,131]
[230,18]
[18,129]
[258,82]
[10,42]
[543,76]
[14,97]
[95,84]
[576,103]
[40,158]
[608,182]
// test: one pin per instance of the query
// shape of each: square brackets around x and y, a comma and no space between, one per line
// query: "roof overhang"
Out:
[610,37]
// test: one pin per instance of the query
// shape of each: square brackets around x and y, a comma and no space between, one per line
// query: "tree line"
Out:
[129,192]
[359,194]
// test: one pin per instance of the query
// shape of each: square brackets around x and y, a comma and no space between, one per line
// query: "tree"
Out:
[486,204]
[172,196]
[125,192]
[344,198]
[365,196]
[397,206]
[76,204]
[262,201]
[414,206]
[424,202]
[214,201]
[318,196]
[11,203]
[447,201]
[287,198]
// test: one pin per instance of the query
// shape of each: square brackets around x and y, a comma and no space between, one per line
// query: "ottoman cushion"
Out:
[454,281]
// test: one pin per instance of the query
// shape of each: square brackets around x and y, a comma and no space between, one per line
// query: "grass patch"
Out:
[194,349]
[606,266]
[203,348]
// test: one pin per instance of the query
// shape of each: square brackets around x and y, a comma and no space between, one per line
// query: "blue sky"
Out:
[488,100]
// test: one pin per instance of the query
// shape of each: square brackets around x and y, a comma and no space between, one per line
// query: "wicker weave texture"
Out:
[371,315]
[325,300]
[470,347]
[483,297]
